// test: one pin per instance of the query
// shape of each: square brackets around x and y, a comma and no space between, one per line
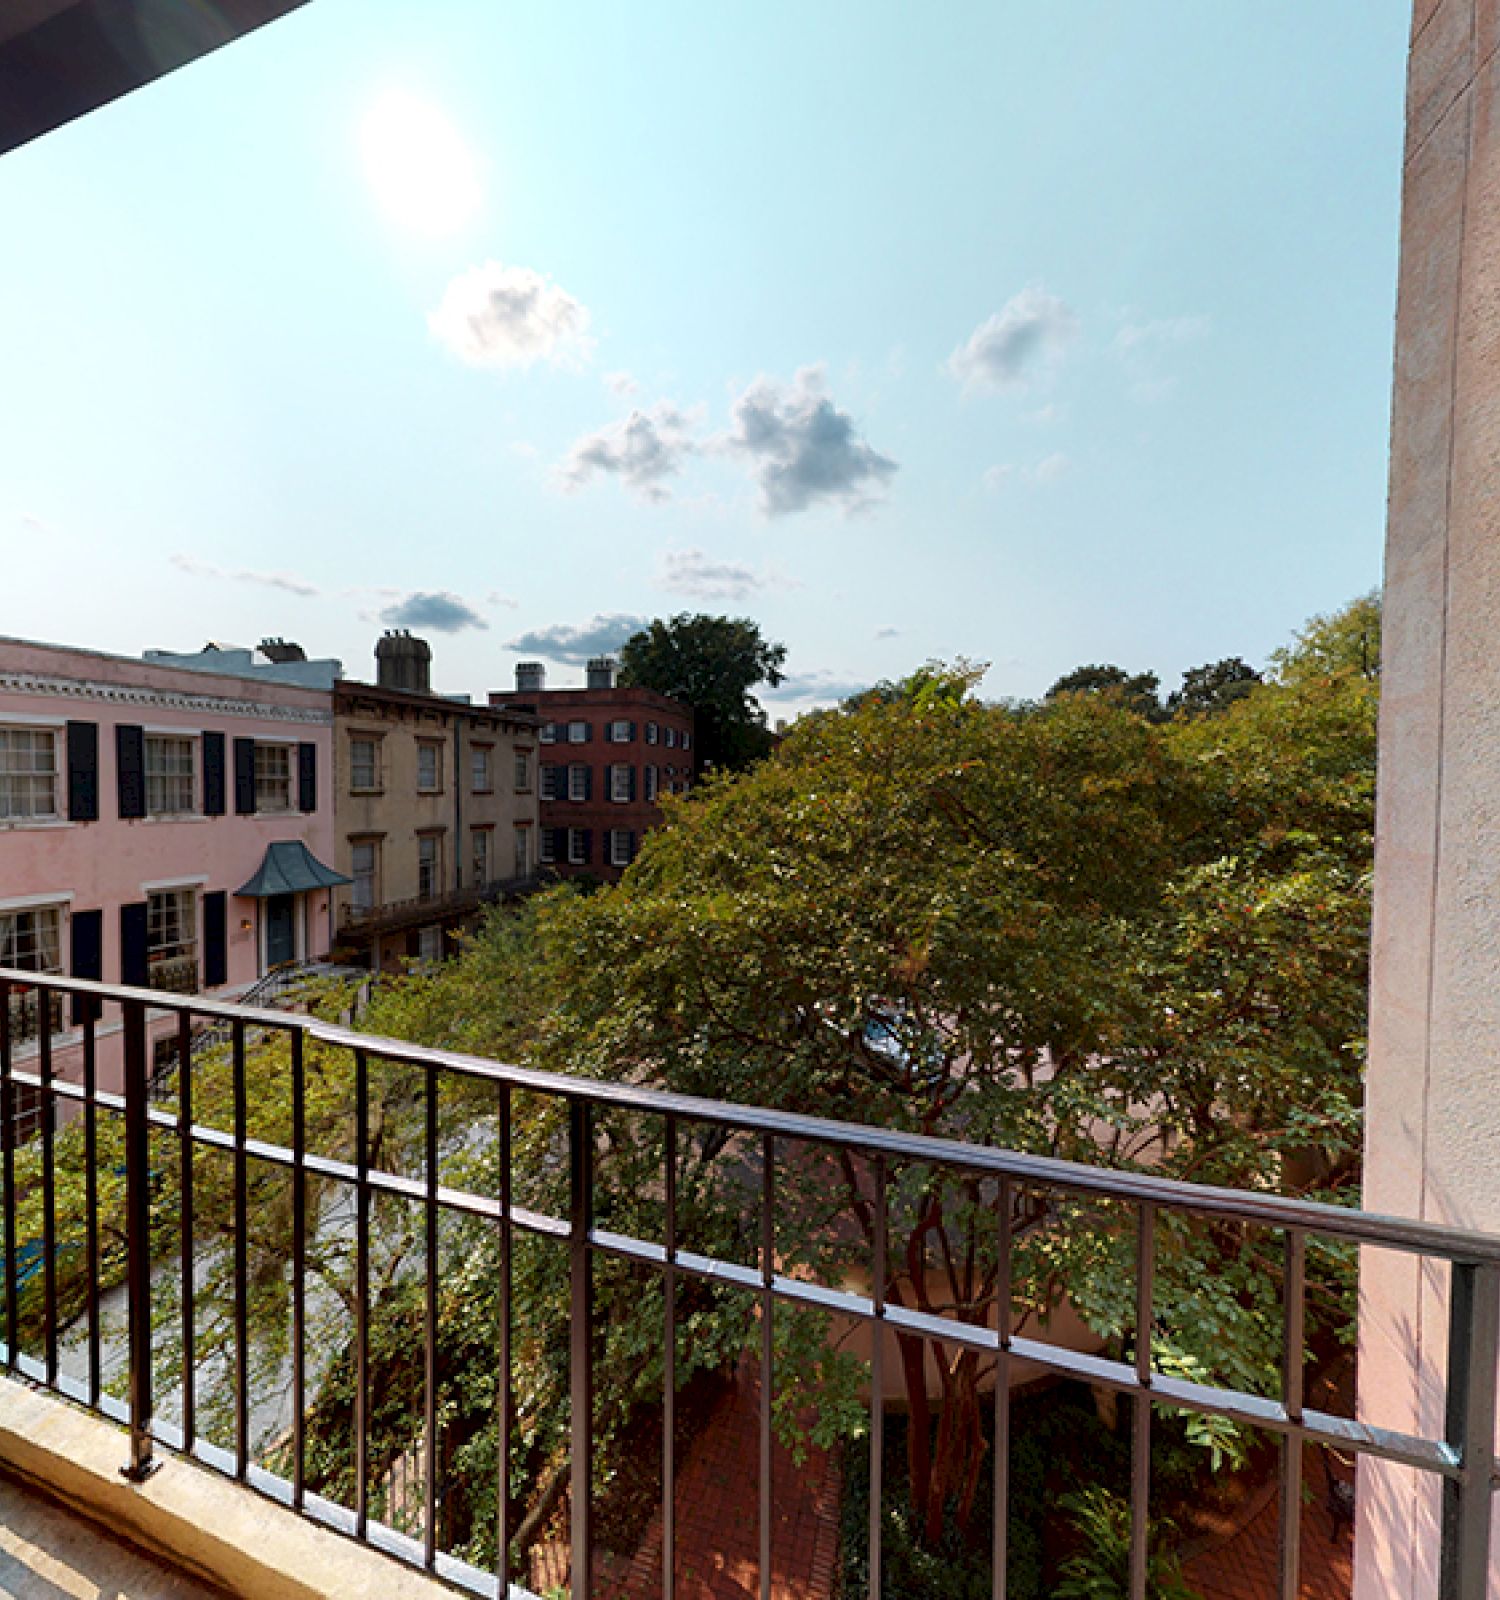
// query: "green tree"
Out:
[1139,691]
[1210,688]
[714,664]
[1344,643]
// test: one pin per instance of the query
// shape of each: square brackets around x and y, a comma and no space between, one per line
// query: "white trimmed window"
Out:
[653,733]
[578,849]
[172,939]
[671,737]
[578,733]
[273,777]
[578,781]
[552,782]
[430,945]
[364,868]
[620,841]
[429,865]
[619,783]
[364,765]
[429,767]
[523,851]
[31,941]
[481,759]
[171,776]
[28,773]
[653,781]
[548,851]
[523,772]
[620,733]
[548,735]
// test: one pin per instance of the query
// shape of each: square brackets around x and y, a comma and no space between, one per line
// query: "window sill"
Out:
[174,816]
[362,792]
[34,824]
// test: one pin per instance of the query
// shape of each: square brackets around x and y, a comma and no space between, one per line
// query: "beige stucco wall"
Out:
[1433,1102]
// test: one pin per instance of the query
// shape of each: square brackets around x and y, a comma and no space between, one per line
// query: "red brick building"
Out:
[606,756]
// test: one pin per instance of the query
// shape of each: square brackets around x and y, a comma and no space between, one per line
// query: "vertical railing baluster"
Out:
[1293,1358]
[1140,1442]
[879,1267]
[138,1240]
[8,1182]
[430,1323]
[1473,1359]
[185,1167]
[49,1181]
[581,1342]
[299,1268]
[507,1388]
[767,1350]
[241,1260]
[90,1013]
[1004,1317]
[361,1293]
[669,1375]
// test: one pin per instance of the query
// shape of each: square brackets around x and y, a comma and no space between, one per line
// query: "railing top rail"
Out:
[1268,1210]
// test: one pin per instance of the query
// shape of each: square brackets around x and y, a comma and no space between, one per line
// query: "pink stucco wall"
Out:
[109,863]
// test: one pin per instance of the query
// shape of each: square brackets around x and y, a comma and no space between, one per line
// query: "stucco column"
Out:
[1433,1099]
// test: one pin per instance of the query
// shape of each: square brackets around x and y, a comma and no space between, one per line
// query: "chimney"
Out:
[531,677]
[282,650]
[601,673]
[403,662]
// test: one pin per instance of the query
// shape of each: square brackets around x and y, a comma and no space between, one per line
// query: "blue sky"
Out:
[1032,334]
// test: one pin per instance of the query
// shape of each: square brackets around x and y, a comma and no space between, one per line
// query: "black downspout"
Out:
[458,802]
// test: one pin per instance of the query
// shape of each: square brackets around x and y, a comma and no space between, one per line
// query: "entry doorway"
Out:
[281,929]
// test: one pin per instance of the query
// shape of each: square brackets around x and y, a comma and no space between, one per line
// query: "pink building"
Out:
[159,827]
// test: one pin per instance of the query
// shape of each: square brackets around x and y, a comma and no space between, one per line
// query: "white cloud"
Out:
[1142,346]
[1051,468]
[697,575]
[287,582]
[642,450]
[1010,347]
[1137,335]
[622,384]
[818,688]
[497,597]
[499,316]
[1047,471]
[802,449]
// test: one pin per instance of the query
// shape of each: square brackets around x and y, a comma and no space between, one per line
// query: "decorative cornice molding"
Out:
[130,694]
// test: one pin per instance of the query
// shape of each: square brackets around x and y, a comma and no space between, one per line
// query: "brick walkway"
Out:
[1245,1567]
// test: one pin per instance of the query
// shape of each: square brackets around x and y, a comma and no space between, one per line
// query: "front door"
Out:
[281,929]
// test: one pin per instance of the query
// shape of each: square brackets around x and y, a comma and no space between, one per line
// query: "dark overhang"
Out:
[62,58]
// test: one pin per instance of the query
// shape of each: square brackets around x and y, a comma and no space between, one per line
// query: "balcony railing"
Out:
[775,1148]
[392,915]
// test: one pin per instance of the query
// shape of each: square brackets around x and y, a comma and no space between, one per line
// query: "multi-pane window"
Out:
[364,868]
[523,851]
[429,766]
[578,782]
[671,737]
[429,865]
[523,772]
[578,733]
[552,782]
[172,939]
[273,777]
[578,847]
[28,772]
[653,778]
[619,782]
[480,764]
[364,765]
[170,789]
[620,841]
[548,853]
[620,733]
[548,735]
[480,840]
[31,941]
[653,733]
[429,945]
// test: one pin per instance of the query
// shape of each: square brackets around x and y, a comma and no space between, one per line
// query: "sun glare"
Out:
[422,171]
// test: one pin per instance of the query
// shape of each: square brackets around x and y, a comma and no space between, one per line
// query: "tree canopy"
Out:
[714,664]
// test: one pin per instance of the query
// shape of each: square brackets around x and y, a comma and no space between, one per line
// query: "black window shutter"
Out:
[631,771]
[83,771]
[307,777]
[630,846]
[134,968]
[588,732]
[244,777]
[559,838]
[632,733]
[588,783]
[213,774]
[130,766]
[588,845]
[215,939]
[87,931]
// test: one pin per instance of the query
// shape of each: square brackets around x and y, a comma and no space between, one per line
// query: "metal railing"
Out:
[1462,1458]
[392,915]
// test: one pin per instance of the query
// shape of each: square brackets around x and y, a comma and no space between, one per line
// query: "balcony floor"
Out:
[47,1554]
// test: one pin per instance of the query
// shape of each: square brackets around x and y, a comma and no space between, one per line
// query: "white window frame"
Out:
[578,732]
[434,885]
[546,853]
[671,737]
[169,958]
[522,771]
[267,801]
[576,854]
[619,783]
[158,803]
[547,733]
[578,781]
[434,748]
[477,837]
[375,785]
[372,878]
[618,732]
[653,733]
[482,768]
[26,1009]
[553,780]
[653,783]
[31,776]
[522,848]
[619,847]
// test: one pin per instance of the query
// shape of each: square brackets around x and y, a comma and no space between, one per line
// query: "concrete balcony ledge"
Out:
[208,1528]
